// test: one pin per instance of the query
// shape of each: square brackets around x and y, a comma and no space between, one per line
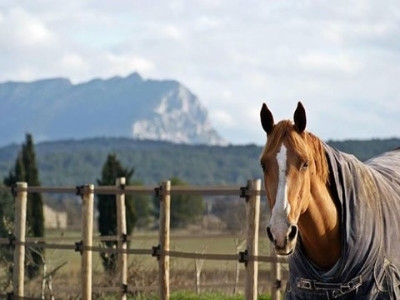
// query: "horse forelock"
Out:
[305,143]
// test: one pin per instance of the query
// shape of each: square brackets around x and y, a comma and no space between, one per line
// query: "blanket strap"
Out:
[336,289]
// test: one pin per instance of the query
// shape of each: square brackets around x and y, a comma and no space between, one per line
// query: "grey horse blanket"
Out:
[368,199]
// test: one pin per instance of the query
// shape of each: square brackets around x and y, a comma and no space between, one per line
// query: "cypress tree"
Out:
[26,170]
[35,201]
[112,169]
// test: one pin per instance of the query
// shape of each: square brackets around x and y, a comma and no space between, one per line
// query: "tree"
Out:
[231,211]
[25,170]
[112,169]
[143,207]
[184,208]
[6,227]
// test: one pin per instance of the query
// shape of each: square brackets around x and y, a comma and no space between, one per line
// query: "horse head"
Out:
[287,164]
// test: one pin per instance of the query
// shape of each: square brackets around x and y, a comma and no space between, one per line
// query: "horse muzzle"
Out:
[284,237]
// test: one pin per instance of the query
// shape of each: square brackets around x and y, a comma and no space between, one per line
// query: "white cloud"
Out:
[73,61]
[106,64]
[35,33]
[208,22]
[337,57]
[21,28]
[222,118]
[329,63]
[126,63]
[257,80]
[334,33]
[172,32]
[227,94]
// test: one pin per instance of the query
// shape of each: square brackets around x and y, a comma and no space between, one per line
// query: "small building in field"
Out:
[54,219]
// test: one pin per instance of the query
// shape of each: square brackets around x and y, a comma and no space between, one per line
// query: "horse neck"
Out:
[319,226]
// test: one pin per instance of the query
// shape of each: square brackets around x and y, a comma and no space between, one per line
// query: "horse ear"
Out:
[267,120]
[300,119]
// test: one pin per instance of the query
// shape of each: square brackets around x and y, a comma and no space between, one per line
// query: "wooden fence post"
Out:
[165,200]
[276,276]
[19,233]
[253,216]
[87,241]
[198,265]
[122,236]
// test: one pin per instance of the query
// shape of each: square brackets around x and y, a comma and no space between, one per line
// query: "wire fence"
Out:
[249,257]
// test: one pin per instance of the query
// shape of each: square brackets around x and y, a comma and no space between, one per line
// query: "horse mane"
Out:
[304,143]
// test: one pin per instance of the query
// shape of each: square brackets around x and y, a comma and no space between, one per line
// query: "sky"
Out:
[340,58]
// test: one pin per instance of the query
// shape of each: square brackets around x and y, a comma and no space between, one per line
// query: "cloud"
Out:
[327,62]
[340,58]
[73,63]
[80,68]
[172,32]
[206,23]
[19,29]
[222,118]
[124,64]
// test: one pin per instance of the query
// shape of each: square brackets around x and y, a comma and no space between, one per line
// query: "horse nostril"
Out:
[269,233]
[293,232]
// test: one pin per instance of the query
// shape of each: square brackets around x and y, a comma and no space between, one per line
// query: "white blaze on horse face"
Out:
[279,223]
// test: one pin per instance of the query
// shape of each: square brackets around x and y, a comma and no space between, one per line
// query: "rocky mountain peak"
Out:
[129,106]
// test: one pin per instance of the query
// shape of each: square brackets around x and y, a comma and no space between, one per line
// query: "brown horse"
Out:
[333,213]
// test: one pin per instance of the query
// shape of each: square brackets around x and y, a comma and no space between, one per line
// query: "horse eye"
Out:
[304,166]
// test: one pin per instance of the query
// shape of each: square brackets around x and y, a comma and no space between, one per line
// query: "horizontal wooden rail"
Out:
[112,238]
[47,246]
[176,254]
[115,238]
[134,190]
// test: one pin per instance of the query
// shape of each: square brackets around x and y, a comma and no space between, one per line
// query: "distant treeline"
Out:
[72,162]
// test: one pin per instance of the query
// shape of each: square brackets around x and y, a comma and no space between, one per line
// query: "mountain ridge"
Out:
[55,108]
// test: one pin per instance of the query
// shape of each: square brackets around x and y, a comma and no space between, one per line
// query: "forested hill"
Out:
[75,162]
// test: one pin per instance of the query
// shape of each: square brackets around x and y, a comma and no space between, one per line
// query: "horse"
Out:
[335,217]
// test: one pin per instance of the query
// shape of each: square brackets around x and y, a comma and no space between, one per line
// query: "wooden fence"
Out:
[251,193]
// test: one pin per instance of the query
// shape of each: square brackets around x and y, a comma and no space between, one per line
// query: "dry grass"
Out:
[143,269]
